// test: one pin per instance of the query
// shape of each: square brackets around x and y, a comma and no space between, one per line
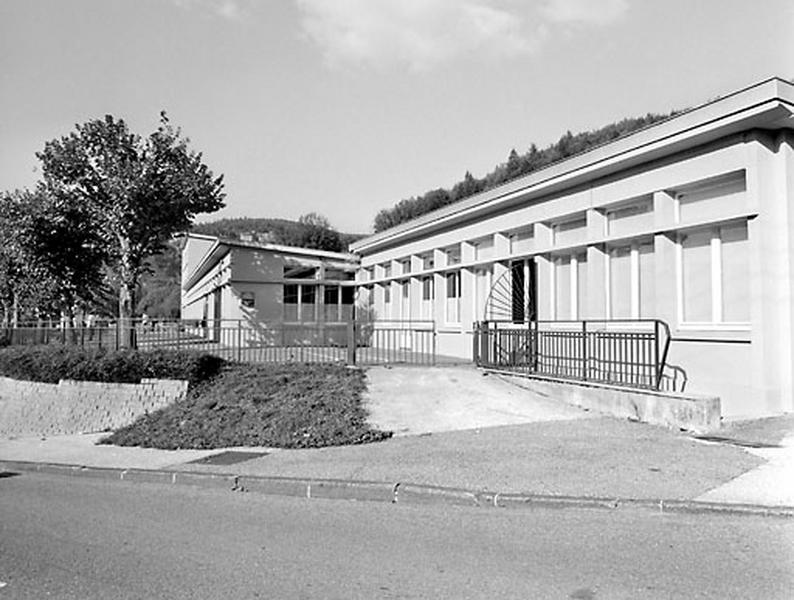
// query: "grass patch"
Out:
[284,406]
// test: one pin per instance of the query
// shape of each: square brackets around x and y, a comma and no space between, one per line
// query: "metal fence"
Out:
[626,352]
[353,342]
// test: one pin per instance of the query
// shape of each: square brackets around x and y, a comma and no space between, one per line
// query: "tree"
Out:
[137,192]
[51,261]
[316,232]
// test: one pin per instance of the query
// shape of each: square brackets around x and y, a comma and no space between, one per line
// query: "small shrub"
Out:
[52,363]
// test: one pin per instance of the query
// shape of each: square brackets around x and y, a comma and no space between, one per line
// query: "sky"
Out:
[345,107]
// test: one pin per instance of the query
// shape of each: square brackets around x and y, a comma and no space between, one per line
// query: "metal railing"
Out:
[622,352]
[362,342]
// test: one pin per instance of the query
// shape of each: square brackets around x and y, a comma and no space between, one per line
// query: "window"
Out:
[713,280]
[331,303]
[405,299]
[300,271]
[628,217]
[405,266]
[338,302]
[570,286]
[630,282]
[428,262]
[520,241]
[428,294]
[453,255]
[712,198]
[308,293]
[484,248]
[348,300]
[453,297]
[570,231]
[291,298]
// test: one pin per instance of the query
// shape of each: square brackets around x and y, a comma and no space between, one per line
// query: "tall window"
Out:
[428,295]
[713,281]
[405,299]
[569,285]
[291,297]
[308,295]
[453,297]
[331,303]
[338,302]
[630,284]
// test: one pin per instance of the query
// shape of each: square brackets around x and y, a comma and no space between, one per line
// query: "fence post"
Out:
[656,361]
[351,342]
[584,350]
[239,340]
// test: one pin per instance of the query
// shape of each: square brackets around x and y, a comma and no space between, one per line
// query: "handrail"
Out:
[623,351]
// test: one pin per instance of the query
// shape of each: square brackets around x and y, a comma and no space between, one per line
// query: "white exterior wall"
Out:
[749,365]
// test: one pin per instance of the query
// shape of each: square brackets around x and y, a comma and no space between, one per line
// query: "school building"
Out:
[264,283]
[690,221]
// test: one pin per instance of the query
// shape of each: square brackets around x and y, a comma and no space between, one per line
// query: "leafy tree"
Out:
[318,234]
[137,192]
[51,258]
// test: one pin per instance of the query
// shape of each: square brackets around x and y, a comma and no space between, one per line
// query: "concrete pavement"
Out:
[482,435]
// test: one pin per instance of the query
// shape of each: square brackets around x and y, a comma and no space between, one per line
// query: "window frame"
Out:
[717,322]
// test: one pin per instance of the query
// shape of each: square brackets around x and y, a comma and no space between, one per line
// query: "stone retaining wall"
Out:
[36,408]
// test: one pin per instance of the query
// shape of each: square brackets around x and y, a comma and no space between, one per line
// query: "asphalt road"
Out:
[64,537]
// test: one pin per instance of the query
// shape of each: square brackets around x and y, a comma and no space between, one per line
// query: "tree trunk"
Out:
[125,324]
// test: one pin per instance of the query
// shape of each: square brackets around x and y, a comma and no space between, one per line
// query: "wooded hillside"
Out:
[517,165]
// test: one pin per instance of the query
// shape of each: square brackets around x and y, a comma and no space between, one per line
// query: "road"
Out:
[63,537]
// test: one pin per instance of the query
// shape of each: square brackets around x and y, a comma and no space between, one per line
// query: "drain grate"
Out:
[732,442]
[230,457]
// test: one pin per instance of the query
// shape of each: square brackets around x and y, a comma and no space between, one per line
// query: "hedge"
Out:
[52,363]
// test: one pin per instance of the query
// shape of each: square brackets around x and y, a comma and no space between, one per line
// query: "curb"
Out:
[393,493]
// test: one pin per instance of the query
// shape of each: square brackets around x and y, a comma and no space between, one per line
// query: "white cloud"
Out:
[231,10]
[422,34]
[597,12]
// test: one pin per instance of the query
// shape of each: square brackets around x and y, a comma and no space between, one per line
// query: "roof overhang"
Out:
[766,105]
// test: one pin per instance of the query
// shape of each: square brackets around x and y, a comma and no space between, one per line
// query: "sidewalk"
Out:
[458,429]
[578,458]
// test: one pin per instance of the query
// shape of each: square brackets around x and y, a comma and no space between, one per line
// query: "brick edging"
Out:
[394,493]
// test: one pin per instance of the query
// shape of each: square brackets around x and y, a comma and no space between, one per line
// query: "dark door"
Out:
[524,281]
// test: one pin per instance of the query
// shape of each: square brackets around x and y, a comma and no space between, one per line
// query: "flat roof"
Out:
[221,246]
[767,104]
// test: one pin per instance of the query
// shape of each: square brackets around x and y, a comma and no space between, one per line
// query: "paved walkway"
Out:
[417,400]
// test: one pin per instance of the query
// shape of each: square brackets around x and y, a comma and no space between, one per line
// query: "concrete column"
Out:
[666,279]
[770,186]
[467,287]
[663,209]
[439,283]
[595,278]
[501,244]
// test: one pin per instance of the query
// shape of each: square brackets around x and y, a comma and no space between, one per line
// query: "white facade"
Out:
[690,221]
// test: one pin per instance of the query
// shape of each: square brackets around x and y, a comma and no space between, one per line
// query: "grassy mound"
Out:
[285,406]
[52,363]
